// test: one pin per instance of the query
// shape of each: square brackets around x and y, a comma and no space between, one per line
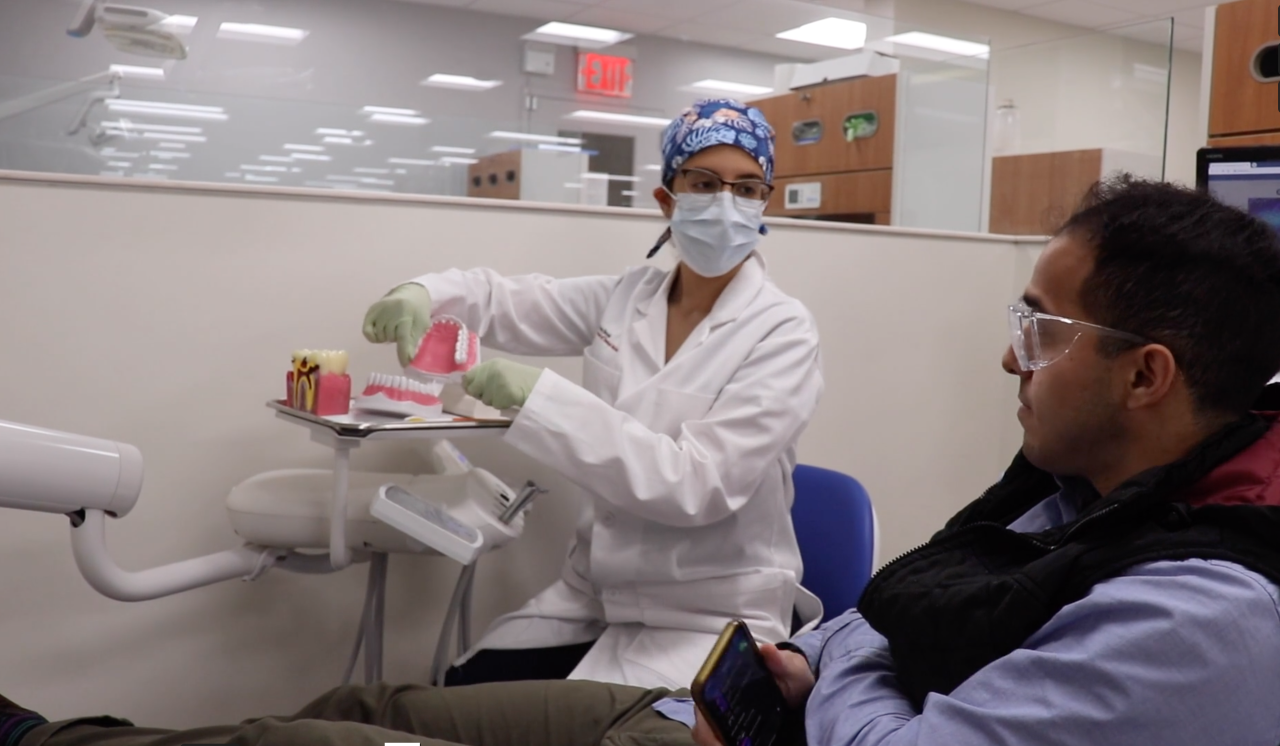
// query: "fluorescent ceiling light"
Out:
[160,109]
[398,119]
[260,32]
[168,155]
[309,157]
[276,158]
[119,164]
[609,116]
[360,179]
[560,148]
[456,159]
[727,86]
[162,167]
[125,124]
[332,131]
[526,137]
[459,82]
[311,148]
[388,110]
[144,73]
[411,161]
[269,179]
[113,153]
[295,170]
[252,167]
[829,32]
[174,145]
[610,177]
[572,33]
[363,170]
[946,44]
[167,136]
[338,140]
[180,24]
[451,149]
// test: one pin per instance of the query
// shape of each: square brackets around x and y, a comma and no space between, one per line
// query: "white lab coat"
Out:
[686,464]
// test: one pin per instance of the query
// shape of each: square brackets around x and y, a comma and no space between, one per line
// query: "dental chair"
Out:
[838,534]
[279,516]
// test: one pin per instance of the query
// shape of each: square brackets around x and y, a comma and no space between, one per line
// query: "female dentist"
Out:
[697,383]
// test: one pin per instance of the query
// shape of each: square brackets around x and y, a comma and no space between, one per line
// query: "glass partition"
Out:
[1068,112]
[878,121]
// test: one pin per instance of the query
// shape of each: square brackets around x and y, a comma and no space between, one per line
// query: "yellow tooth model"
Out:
[318,382]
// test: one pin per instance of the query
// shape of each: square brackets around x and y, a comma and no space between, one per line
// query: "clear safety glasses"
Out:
[1038,339]
[750,194]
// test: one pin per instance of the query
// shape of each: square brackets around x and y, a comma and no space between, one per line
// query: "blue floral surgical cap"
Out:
[717,121]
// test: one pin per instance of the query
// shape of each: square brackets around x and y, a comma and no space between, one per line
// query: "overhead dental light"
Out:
[134,30]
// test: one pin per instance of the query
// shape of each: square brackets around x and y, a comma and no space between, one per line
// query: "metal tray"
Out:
[360,425]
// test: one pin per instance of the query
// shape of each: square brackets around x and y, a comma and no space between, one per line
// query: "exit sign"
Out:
[603,74]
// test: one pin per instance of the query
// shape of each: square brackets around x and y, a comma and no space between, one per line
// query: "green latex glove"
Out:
[402,316]
[501,383]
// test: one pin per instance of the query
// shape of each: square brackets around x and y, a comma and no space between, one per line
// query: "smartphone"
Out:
[738,695]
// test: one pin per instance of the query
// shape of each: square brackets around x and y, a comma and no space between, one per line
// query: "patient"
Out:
[1118,586]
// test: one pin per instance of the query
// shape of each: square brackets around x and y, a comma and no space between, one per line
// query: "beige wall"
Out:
[165,319]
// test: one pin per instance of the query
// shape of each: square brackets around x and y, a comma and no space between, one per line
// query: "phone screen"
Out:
[741,697]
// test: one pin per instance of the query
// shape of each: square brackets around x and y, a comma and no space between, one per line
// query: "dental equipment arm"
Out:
[88,479]
[66,90]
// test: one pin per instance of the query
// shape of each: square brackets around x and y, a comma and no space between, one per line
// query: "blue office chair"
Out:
[837,531]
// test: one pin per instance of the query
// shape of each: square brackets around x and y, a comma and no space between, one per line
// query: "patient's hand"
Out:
[795,679]
[791,671]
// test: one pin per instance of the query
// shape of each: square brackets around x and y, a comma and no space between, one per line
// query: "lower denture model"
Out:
[447,351]
[401,396]
[318,382]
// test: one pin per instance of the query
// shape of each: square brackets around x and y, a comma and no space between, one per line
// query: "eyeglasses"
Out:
[700,181]
[1039,339]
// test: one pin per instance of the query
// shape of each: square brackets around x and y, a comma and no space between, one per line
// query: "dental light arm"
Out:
[17,106]
[90,478]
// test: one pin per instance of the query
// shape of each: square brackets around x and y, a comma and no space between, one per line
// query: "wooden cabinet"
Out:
[496,176]
[830,104]
[859,196]
[1031,195]
[1238,103]
[1244,141]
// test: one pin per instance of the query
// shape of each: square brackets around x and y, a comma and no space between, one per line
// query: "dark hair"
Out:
[1179,268]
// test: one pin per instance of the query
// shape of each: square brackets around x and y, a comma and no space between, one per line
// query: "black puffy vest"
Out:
[978,590]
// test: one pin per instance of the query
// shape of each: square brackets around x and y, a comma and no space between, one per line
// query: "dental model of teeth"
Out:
[318,382]
[447,350]
[400,395]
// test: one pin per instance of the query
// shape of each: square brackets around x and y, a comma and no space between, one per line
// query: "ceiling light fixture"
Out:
[728,86]
[840,33]
[451,149]
[456,159]
[411,161]
[143,73]
[560,148]
[332,131]
[958,47]
[528,137]
[311,148]
[262,33]
[388,110]
[398,119]
[459,82]
[309,157]
[614,118]
[591,37]
[125,124]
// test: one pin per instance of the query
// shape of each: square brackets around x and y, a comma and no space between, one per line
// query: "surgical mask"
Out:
[715,232]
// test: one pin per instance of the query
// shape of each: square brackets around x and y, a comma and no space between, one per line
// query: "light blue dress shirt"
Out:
[1174,653]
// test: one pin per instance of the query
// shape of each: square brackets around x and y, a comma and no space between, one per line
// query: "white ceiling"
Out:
[751,24]
[1126,17]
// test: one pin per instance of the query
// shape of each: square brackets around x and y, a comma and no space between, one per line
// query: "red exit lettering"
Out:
[604,75]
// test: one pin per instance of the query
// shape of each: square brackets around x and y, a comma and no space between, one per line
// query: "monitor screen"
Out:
[1247,179]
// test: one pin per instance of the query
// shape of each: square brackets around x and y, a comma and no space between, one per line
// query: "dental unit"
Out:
[302,520]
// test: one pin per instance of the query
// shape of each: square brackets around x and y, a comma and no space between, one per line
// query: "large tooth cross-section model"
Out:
[318,382]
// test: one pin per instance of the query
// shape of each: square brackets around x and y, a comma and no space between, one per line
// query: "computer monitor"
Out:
[1246,178]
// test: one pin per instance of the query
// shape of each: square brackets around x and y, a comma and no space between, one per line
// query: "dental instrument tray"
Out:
[357,424]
